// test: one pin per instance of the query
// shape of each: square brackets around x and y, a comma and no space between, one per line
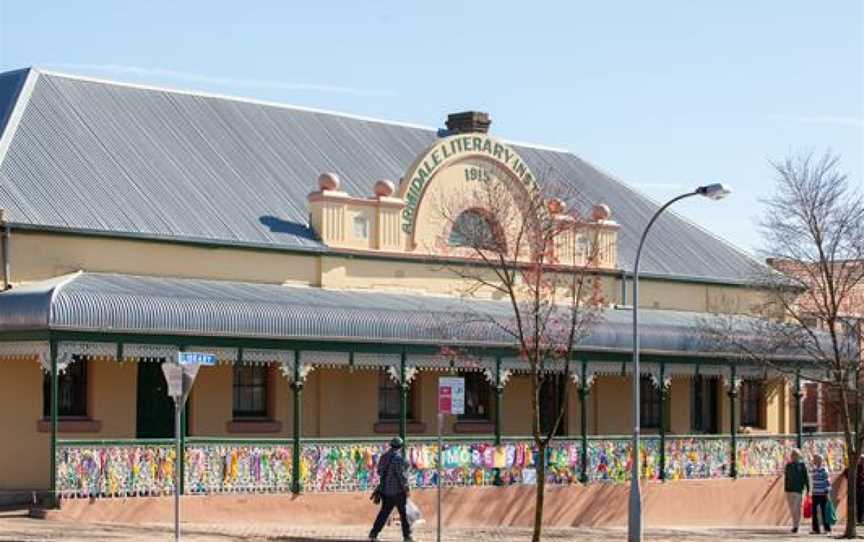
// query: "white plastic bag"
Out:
[413,513]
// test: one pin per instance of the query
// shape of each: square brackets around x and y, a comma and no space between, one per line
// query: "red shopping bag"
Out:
[808,507]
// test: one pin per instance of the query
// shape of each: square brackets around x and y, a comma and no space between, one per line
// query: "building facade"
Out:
[821,410]
[303,249]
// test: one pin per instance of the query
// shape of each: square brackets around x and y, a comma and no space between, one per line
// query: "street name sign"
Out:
[196,358]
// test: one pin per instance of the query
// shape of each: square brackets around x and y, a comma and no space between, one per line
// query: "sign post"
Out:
[180,376]
[451,400]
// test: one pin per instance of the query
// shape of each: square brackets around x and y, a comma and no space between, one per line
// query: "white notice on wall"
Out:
[451,395]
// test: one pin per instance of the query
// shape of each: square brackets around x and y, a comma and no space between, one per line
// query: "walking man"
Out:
[393,489]
[796,481]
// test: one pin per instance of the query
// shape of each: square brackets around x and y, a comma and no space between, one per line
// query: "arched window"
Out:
[474,228]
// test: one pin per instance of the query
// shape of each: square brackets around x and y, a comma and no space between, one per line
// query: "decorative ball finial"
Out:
[556,206]
[328,181]
[601,212]
[384,188]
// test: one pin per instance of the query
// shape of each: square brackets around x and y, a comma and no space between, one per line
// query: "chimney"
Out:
[468,122]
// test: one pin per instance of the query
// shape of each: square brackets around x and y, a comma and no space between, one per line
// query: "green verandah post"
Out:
[297,389]
[733,424]
[799,437]
[55,395]
[664,393]
[583,420]
[403,400]
[499,395]
[181,460]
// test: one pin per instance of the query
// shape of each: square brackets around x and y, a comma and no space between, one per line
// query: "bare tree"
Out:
[523,247]
[811,308]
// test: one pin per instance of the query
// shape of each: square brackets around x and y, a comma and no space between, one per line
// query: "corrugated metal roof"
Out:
[164,306]
[108,157]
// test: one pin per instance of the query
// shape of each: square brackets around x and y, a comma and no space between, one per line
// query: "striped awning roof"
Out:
[113,303]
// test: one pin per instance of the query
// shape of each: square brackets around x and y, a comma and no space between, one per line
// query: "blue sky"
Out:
[664,95]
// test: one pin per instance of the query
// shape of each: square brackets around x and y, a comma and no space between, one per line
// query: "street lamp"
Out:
[634,525]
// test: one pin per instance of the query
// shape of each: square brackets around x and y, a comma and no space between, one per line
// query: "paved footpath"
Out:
[15,527]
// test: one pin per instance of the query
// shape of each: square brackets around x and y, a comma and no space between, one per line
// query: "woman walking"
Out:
[821,489]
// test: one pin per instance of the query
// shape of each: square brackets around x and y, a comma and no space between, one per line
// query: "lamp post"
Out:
[634,524]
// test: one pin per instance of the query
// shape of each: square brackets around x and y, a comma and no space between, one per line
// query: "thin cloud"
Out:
[856,122]
[145,72]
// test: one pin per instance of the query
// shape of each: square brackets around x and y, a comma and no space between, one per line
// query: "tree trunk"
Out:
[541,491]
[851,492]
[852,451]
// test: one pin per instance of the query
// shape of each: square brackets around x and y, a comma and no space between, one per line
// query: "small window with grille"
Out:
[250,391]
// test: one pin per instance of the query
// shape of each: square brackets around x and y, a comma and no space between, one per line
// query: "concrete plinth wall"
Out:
[747,502]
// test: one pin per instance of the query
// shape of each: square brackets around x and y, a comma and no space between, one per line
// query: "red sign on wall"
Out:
[445,399]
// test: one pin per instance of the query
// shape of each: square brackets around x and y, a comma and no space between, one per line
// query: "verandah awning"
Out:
[154,306]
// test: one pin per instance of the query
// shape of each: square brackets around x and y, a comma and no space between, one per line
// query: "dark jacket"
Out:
[796,477]
[393,471]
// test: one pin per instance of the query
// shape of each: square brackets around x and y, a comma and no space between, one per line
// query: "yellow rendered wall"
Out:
[612,406]
[426,402]
[679,405]
[24,453]
[348,402]
[343,272]
[672,295]
[38,256]
[310,413]
[516,407]
[357,272]
[368,212]
[210,402]
[112,395]
[775,405]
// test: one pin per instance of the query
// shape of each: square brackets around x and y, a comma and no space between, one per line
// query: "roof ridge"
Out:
[229,97]
[55,291]
[270,103]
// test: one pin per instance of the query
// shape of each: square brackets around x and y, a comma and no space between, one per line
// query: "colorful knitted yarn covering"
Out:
[231,468]
[116,470]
